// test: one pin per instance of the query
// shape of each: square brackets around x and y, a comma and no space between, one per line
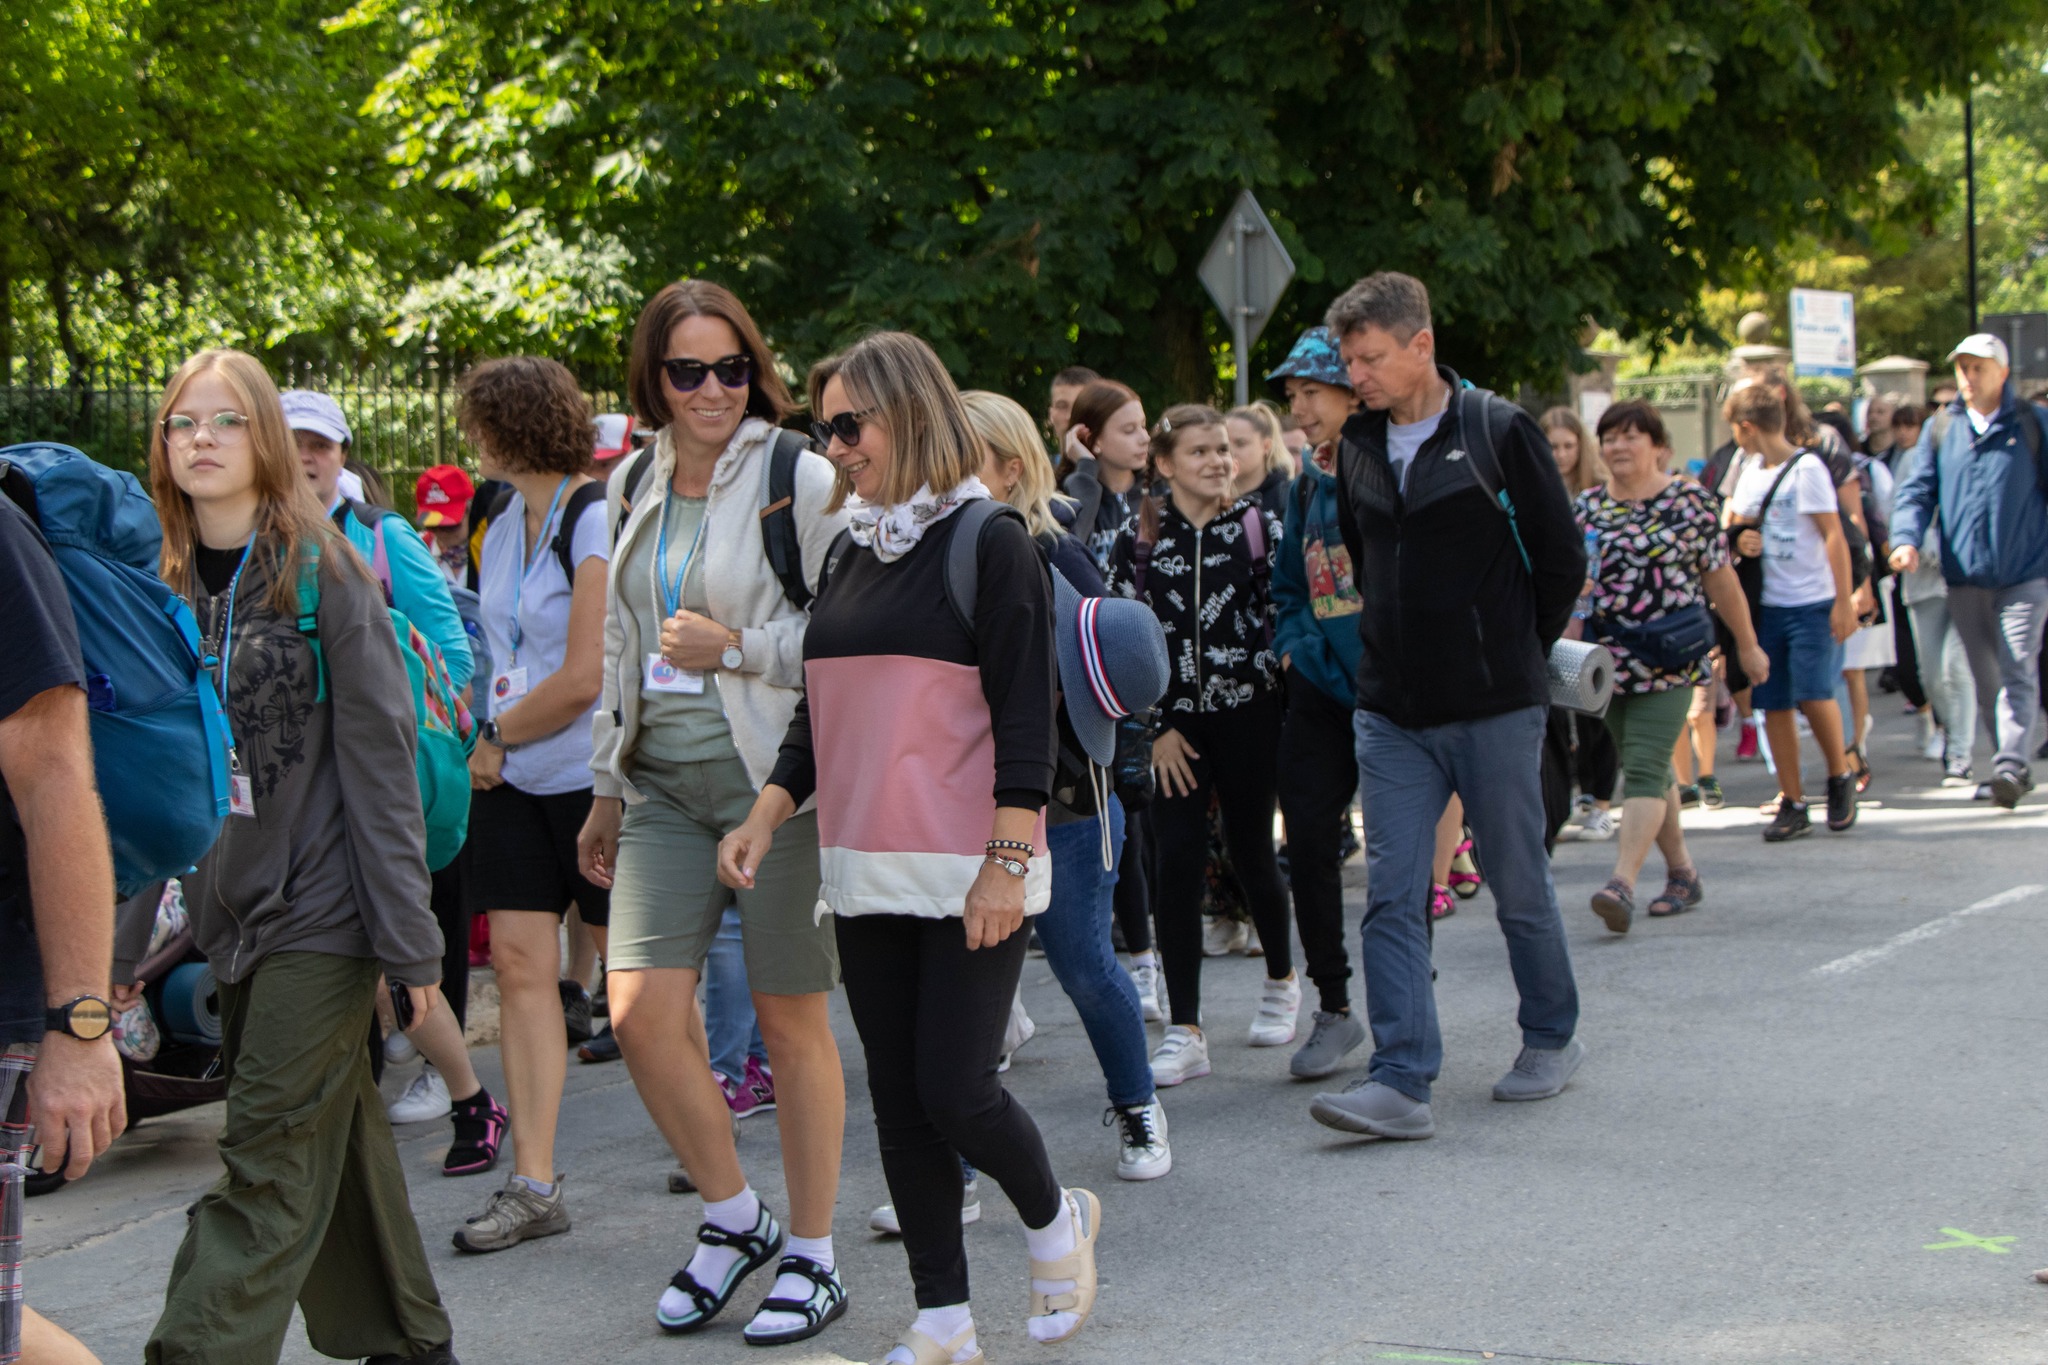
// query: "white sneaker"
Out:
[1252,946]
[426,1098]
[884,1220]
[1183,1054]
[1019,1031]
[398,1049]
[1279,1006]
[1598,824]
[1142,1152]
[1221,937]
[1145,976]
[1936,745]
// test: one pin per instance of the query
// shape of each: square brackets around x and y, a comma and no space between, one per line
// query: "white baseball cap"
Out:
[305,410]
[1985,346]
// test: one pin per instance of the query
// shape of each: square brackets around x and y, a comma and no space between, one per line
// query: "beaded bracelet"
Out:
[1026,849]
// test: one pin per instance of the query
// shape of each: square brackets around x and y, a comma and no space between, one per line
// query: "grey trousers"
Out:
[1945,672]
[2001,629]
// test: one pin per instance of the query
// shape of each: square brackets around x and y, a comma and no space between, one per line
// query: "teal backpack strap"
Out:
[309,615]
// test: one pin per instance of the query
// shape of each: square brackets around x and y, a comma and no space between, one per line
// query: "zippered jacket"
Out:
[1315,598]
[1984,493]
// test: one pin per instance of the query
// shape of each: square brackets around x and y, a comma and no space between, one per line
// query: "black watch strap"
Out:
[87,1017]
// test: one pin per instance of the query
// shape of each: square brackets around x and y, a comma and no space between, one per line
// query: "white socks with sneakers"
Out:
[710,1265]
[941,1325]
[817,1250]
[1049,1243]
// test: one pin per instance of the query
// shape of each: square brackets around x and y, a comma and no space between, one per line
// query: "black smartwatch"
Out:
[489,734]
[87,1018]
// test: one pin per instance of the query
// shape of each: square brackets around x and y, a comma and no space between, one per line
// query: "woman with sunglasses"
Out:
[703,668]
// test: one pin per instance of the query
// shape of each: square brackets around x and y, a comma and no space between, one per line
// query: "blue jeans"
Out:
[1407,778]
[1075,933]
[729,1021]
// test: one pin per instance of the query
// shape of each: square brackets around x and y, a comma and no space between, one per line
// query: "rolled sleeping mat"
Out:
[1581,677]
[191,1004]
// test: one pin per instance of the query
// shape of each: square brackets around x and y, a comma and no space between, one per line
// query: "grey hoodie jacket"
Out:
[334,860]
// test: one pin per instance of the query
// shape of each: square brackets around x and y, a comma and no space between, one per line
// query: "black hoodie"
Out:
[1454,627]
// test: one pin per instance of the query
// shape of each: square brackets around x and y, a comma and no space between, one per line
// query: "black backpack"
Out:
[778,511]
[581,501]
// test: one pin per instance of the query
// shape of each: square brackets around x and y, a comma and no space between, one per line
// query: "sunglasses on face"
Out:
[687,376]
[844,425]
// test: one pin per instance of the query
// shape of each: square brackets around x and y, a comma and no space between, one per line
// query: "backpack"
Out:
[778,511]
[963,556]
[563,545]
[445,726]
[159,735]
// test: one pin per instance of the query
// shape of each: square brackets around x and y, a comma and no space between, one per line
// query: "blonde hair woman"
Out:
[318,879]
[1264,464]
[1578,458]
[1017,470]
[928,743]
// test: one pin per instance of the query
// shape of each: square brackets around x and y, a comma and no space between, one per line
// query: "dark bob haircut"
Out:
[530,411]
[1634,415]
[767,396]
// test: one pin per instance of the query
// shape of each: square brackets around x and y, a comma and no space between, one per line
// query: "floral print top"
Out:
[1650,559]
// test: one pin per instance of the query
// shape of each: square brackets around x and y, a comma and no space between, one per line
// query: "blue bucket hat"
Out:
[1314,357]
[1112,663]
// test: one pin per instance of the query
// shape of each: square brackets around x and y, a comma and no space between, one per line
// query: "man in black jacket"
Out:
[1468,561]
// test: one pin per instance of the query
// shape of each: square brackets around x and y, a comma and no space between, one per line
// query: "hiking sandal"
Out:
[823,1306]
[756,1249]
[1682,891]
[926,1350]
[1077,1265]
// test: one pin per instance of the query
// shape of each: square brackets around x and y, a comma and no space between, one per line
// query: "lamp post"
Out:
[1970,191]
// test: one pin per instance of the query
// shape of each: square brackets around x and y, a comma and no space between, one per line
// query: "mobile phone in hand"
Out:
[401,1005]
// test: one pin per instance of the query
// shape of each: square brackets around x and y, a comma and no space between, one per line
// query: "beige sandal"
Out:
[926,1350]
[1077,1265]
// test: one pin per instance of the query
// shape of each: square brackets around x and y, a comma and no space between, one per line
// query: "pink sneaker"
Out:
[1745,747]
[753,1094]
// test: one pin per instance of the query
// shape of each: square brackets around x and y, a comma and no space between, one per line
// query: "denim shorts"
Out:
[1806,659]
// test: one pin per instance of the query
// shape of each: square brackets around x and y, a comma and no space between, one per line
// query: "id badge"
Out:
[241,791]
[663,676]
[507,688]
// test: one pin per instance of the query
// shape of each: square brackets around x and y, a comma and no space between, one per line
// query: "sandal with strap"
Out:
[1682,891]
[1077,1265]
[1465,879]
[823,1306]
[756,1249]
[926,1350]
[1615,904]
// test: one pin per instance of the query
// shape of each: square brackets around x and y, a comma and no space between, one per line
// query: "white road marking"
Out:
[1934,928]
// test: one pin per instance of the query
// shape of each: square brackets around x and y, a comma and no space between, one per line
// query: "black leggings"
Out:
[930,1016]
[1134,883]
[451,911]
[1244,744]
[1319,781]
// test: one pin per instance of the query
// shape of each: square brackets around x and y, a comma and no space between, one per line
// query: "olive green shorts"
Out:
[667,899]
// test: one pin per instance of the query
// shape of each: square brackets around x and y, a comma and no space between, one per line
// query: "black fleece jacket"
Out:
[1454,627]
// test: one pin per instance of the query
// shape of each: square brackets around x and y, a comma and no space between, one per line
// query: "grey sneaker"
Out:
[1376,1111]
[513,1215]
[1329,1042]
[1540,1072]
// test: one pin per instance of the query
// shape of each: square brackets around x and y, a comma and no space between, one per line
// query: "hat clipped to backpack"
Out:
[1112,663]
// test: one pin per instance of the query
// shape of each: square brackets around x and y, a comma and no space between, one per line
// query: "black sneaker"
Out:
[1688,796]
[2008,785]
[1711,795]
[444,1354]
[576,1012]
[1791,822]
[1841,802]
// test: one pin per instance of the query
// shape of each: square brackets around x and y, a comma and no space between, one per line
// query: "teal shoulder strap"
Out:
[309,615]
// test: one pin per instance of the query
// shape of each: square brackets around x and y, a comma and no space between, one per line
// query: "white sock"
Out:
[1049,1243]
[941,1325]
[1148,958]
[815,1249]
[709,1265]
[545,1191]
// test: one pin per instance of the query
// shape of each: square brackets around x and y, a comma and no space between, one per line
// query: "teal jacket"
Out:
[1315,596]
[416,585]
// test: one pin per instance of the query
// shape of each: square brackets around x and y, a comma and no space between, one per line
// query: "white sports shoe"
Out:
[1019,1031]
[1145,976]
[1279,1006]
[425,1099]
[884,1220]
[1183,1055]
[1142,1153]
[1221,937]
[1598,824]
[398,1049]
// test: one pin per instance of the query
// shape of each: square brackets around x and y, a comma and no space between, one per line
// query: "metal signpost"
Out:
[1246,271]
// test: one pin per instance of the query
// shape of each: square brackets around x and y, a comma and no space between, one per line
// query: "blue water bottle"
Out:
[1585,607]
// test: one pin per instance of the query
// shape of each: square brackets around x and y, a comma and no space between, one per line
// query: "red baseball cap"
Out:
[443,495]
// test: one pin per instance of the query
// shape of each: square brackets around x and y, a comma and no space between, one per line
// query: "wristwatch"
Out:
[1009,865]
[87,1018]
[733,656]
[488,733]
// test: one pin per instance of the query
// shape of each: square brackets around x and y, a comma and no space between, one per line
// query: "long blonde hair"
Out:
[288,518]
[1591,470]
[1262,416]
[902,380]
[1013,438]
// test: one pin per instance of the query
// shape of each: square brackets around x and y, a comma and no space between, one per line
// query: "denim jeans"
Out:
[1945,673]
[1074,931]
[1407,778]
[729,1022]
[2001,628]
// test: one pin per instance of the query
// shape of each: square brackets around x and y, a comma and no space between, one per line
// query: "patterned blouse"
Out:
[1651,559]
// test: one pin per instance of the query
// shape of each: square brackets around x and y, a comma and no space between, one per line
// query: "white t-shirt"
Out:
[561,761]
[1796,571]
[1404,441]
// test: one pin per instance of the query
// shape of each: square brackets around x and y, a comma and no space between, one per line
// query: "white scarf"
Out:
[893,531]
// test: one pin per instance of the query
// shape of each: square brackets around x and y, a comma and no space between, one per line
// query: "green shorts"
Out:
[1645,726]
[667,899]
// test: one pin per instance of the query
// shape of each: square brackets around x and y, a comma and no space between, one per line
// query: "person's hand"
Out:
[1842,618]
[1075,447]
[1865,600]
[1905,559]
[125,998]
[1756,664]
[1749,544]
[692,641]
[486,766]
[740,853]
[597,843]
[1287,662]
[76,1097]
[1170,755]
[995,907]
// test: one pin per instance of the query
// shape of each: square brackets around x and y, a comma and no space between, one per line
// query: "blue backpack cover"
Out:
[159,739]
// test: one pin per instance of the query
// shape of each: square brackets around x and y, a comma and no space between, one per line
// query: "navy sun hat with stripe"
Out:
[1112,663]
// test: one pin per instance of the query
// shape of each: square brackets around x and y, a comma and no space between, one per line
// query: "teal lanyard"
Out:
[224,651]
[526,562]
[672,595]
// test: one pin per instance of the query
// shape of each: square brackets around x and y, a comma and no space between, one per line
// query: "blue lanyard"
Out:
[672,596]
[225,650]
[526,561]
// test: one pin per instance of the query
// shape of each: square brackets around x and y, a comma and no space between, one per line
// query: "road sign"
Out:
[2026,336]
[1823,332]
[1246,271]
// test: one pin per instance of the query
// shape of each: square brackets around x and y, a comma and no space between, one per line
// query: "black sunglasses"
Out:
[687,376]
[844,425]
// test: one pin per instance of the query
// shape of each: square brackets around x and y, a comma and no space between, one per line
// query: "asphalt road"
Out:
[1811,1127]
